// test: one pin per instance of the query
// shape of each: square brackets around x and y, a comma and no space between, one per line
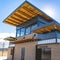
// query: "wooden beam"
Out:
[18,15]
[24,13]
[27,12]
[47,30]
[32,12]
[19,20]
[10,23]
[15,21]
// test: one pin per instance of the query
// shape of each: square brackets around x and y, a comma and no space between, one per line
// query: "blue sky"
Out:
[51,7]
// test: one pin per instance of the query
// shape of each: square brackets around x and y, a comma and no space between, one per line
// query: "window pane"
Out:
[18,31]
[28,30]
[34,26]
[22,31]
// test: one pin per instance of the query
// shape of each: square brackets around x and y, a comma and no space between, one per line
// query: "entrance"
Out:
[12,52]
[43,53]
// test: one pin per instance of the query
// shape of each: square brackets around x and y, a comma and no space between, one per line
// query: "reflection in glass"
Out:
[28,30]
[22,31]
[18,32]
[34,26]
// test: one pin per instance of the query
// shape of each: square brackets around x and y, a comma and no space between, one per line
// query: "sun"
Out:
[49,11]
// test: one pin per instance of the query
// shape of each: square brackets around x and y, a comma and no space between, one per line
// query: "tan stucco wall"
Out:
[9,57]
[55,51]
[30,50]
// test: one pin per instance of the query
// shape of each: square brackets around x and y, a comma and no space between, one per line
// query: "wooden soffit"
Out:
[46,29]
[25,13]
[10,39]
[24,40]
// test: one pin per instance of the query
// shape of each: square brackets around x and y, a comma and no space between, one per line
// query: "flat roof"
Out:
[25,12]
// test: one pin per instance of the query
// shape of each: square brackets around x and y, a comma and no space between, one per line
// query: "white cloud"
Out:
[5,35]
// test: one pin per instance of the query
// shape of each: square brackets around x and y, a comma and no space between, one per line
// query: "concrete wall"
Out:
[55,51]
[30,50]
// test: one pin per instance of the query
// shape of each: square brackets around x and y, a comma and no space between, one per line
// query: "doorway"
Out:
[43,53]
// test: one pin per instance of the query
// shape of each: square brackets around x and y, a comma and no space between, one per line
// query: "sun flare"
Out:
[49,11]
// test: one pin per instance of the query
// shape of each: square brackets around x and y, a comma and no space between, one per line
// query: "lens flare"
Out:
[49,11]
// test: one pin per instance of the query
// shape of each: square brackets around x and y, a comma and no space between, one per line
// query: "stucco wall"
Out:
[30,50]
[9,56]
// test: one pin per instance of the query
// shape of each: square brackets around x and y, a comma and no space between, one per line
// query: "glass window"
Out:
[18,32]
[22,31]
[34,26]
[28,30]
[43,53]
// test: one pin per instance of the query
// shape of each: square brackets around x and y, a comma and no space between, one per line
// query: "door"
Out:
[12,52]
[43,53]
[38,54]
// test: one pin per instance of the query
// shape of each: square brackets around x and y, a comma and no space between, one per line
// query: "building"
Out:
[37,34]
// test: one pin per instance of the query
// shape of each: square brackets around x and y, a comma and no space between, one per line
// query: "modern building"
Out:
[37,34]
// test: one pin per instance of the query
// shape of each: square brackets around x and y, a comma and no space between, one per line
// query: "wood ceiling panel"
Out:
[24,13]
[14,21]
[47,29]
[19,18]
[27,12]
[10,23]
[30,11]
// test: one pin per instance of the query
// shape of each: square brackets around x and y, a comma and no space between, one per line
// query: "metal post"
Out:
[2,48]
[56,36]
[55,33]
[16,32]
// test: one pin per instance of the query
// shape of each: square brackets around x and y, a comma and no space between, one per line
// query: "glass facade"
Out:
[28,30]
[20,31]
[34,26]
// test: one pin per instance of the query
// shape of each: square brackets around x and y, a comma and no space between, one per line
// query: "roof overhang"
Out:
[10,39]
[47,29]
[24,40]
[25,13]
